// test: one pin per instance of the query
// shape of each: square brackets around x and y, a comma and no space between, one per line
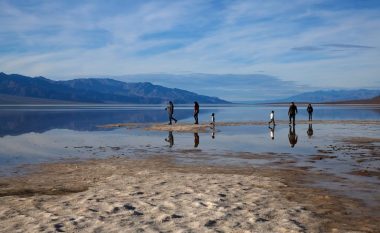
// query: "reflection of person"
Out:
[310,131]
[271,116]
[213,134]
[292,113]
[196,112]
[292,136]
[170,109]
[310,112]
[271,133]
[196,140]
[170,139]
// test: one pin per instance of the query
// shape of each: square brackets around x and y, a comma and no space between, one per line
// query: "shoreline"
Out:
[206,127]
[112,194]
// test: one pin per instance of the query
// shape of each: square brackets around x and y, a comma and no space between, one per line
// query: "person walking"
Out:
[271,116]
[310,112]
[170,109]
[212,120]
[292,113]
[196,112]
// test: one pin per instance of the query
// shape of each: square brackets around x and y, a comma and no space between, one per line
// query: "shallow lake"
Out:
[38,134]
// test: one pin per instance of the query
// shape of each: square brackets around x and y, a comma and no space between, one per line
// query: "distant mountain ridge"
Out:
[332,96]
[375,100]
[96,91]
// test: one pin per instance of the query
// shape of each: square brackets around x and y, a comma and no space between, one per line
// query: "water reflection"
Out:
[310,131]
[293,137]
[20,121]
[271,132]
[196,140]
[170,139]
[213,133]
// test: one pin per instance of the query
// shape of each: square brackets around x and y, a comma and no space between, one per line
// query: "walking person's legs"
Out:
[175,120]
[294,119]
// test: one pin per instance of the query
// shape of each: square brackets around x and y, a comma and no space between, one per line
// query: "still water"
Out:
[36,134]
[40,134]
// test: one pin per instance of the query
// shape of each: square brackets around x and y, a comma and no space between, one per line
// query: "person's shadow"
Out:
[271,132]
[310,131]
[293,138]
[170,139]
[196,140]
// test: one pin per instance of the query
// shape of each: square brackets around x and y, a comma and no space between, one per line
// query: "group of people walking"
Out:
[170,109]
[292,112]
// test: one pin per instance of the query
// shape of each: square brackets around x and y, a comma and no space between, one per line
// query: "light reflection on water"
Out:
[48,134]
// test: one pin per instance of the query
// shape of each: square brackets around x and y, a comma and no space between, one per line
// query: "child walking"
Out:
[272,119]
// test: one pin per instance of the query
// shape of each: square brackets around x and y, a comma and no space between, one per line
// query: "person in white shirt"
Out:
[213,119]
[272,119]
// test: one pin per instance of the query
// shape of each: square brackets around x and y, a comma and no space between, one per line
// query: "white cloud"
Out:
[242,37]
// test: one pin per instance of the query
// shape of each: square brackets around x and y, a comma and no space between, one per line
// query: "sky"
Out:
[315,43]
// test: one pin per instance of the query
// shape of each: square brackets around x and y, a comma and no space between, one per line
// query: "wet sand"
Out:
[158,195]
[204,127]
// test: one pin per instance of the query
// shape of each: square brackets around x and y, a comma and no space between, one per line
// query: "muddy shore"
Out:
[157,194]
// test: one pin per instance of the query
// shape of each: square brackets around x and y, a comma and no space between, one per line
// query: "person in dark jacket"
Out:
[292,113]
[310,112]
[170,109]
[196,112]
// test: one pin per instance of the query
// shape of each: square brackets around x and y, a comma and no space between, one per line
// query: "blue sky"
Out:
[324,44]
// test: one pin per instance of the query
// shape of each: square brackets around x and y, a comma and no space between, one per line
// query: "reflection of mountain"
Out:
[17,122]
[93,91]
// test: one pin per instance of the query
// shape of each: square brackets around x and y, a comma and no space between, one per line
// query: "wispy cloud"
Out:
[310,42]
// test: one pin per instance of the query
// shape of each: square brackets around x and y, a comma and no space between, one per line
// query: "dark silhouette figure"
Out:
[271,117]
[310,131]
[170,139]
[293,138]
[271,132]
[310,112]
[213,134]
[196,140]
[292,113]
[170,109]
[196,112]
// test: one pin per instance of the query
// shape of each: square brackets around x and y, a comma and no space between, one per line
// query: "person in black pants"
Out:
[310,111]
[196,112]
[292,113]
[170,109]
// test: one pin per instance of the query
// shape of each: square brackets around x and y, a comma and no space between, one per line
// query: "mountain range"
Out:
[16,88]
[329,96]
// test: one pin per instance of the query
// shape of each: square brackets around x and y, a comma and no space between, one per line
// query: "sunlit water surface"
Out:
[37,134]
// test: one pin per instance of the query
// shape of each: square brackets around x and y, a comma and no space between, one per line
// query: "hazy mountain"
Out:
[375,100]
[94,91]
[332,96]
[232,87]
